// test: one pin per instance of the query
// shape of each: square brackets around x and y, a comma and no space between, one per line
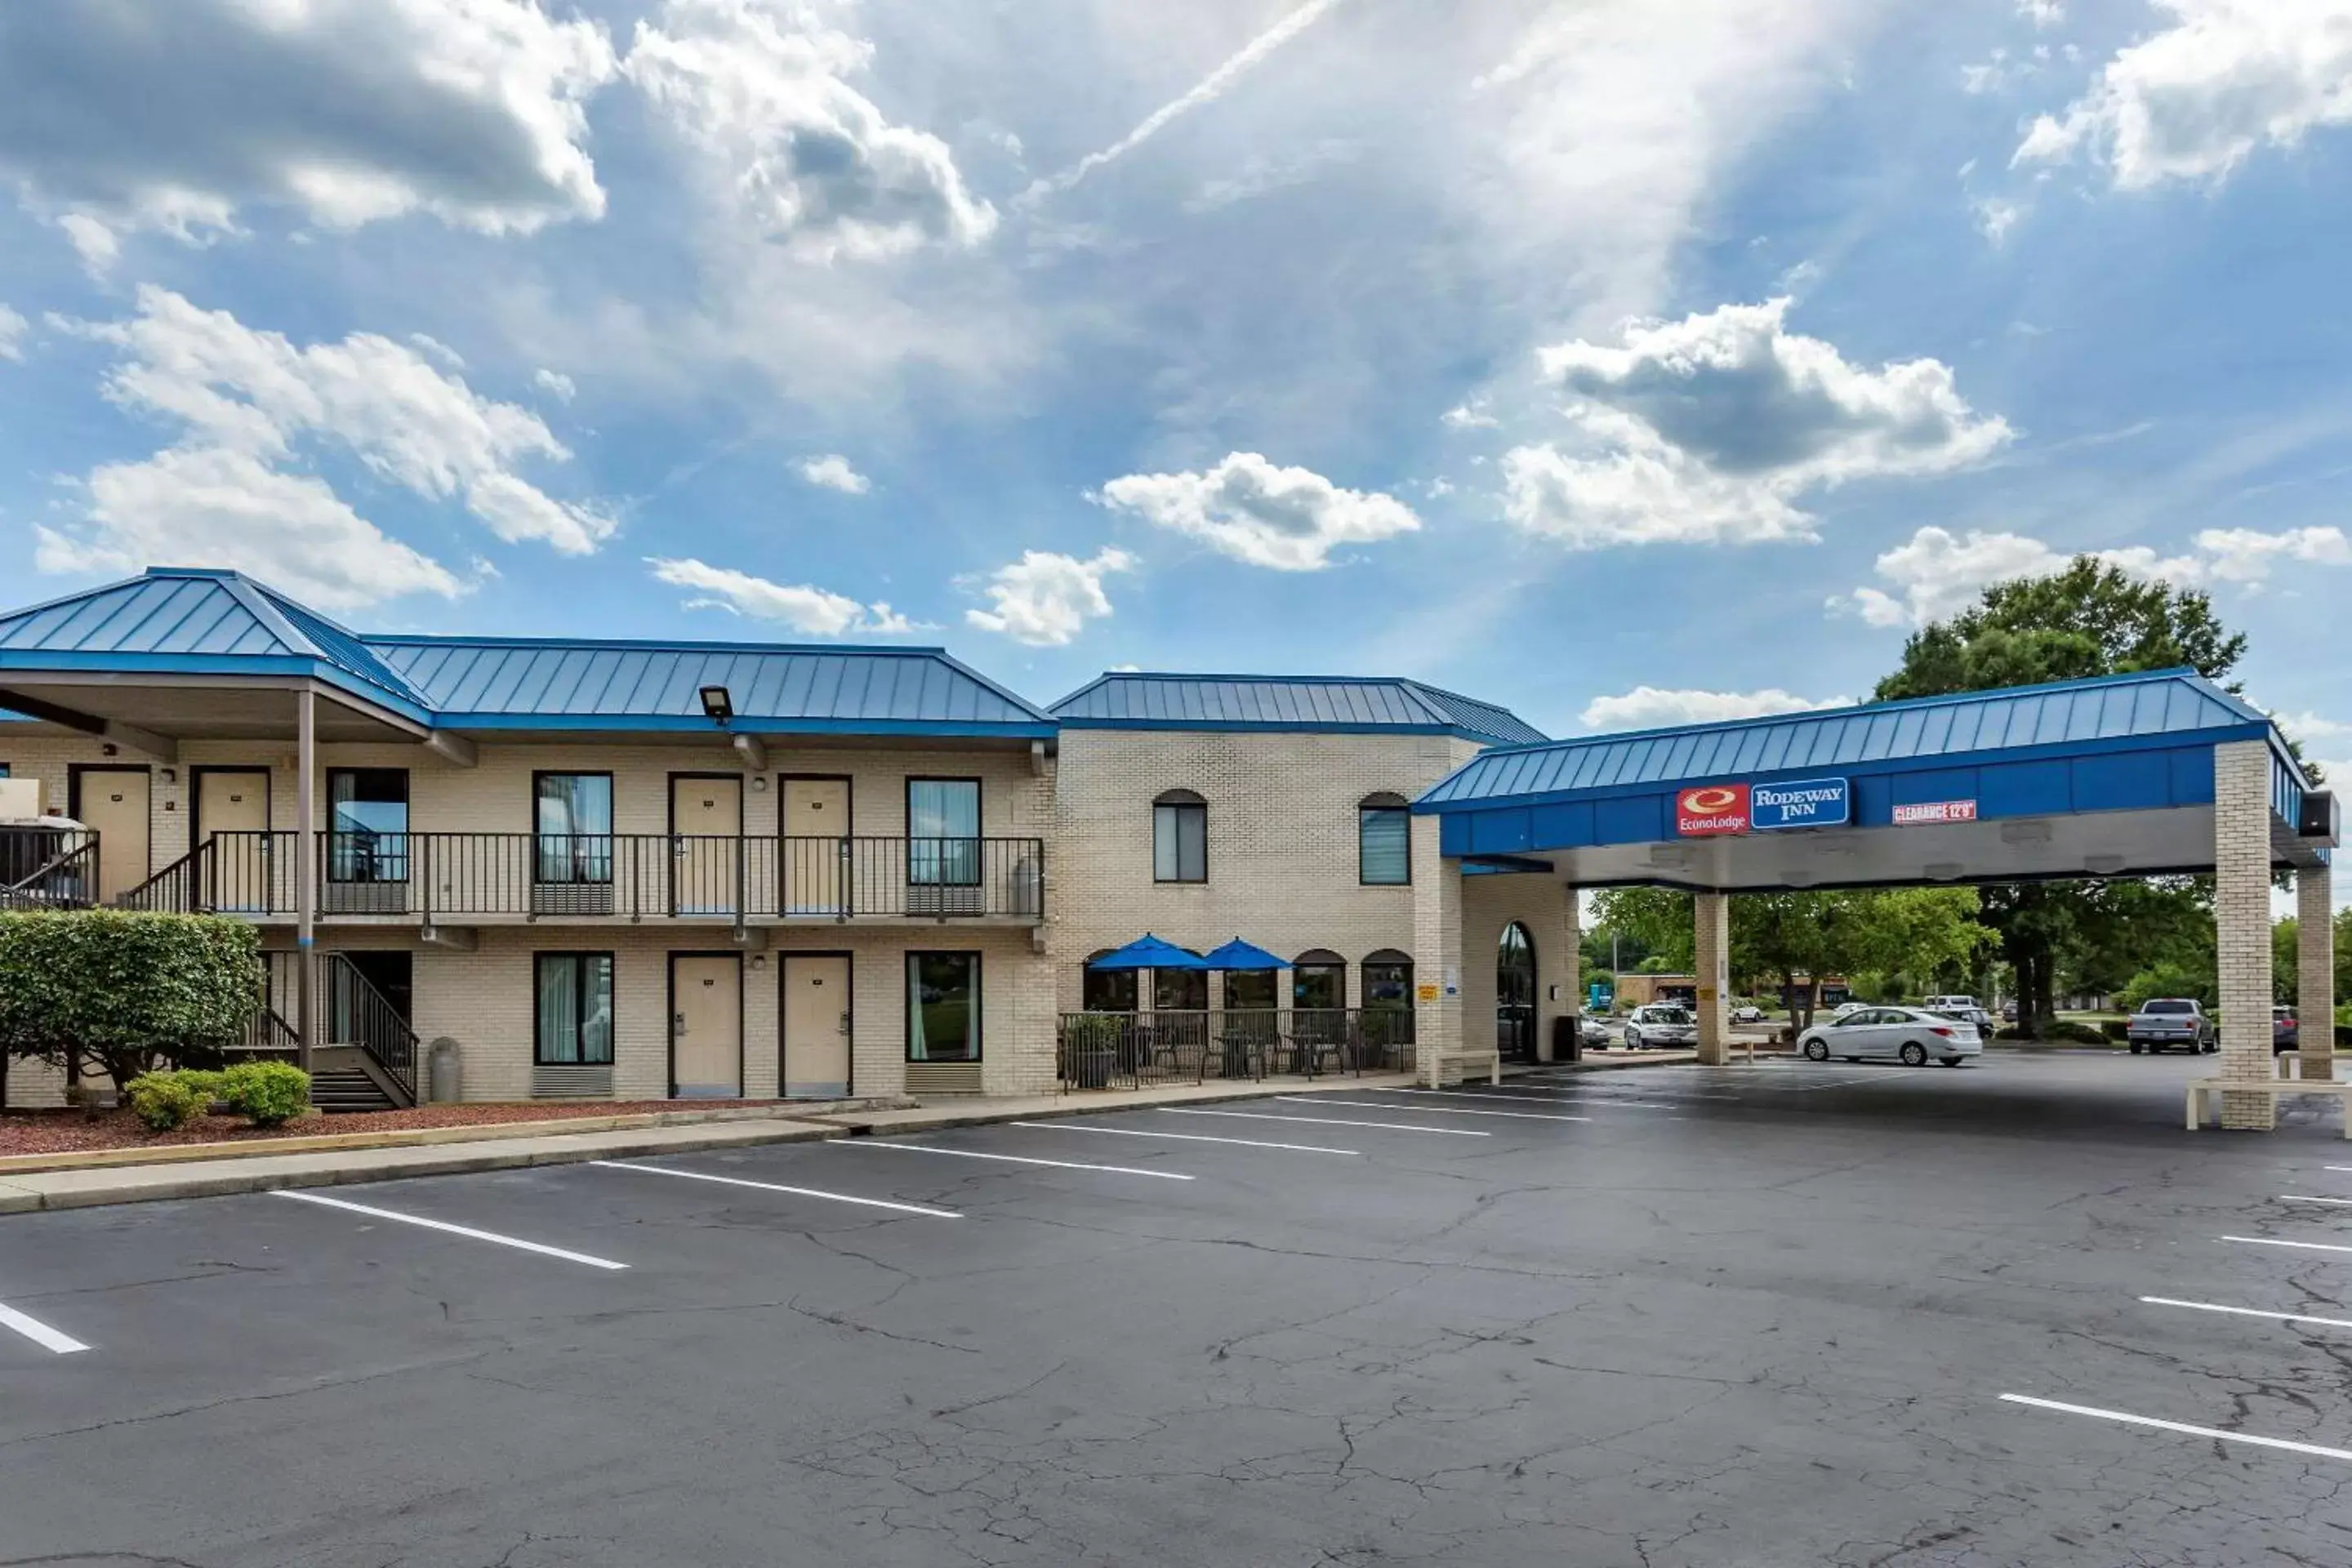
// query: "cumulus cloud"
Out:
[833,472]
[758,89]
[2308,726]
[555,384]
[2042,13]
[816,612]
[2247,554]
[2197,98]
[1713,426]
[1288,520]
[120,117]
[1650,707]
[1045,599]
[12,334]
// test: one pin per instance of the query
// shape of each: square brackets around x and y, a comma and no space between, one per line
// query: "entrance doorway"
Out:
[706,1025]
[816,1026]
[815,819]
[706,824]
[234,801]
[1514,995]
[112,801]
[362,988]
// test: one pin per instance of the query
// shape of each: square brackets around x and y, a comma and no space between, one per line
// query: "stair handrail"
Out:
[387,1039]
[148,895]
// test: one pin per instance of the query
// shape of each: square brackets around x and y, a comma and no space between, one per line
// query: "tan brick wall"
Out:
[2242,910]
[2314,985]
[1711,913]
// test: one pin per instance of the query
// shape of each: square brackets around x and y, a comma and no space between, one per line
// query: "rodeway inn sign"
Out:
[1762,807]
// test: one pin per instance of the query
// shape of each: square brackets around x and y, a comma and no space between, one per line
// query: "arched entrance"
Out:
[1515,993]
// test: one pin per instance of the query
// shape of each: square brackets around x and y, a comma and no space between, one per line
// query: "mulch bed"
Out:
[67,1132]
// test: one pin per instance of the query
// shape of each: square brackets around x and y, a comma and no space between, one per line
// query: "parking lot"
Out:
[1780,1314]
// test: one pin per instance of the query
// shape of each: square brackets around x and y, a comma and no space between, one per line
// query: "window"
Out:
[1383,841]
[943,834]
[1180,990]
[1179,837]
[574,1010]
[367,824]
[573,816]
[1249,991]
[943,1007]
[1109,990]
[1388,997]
[1319,980]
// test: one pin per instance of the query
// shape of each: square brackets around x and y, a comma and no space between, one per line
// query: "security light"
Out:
[718,704]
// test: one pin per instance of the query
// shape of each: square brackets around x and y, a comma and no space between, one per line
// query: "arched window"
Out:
[1109,990]
[1179,837]
[1514,993]
[1388,997]
[1318,979]
[1383,841]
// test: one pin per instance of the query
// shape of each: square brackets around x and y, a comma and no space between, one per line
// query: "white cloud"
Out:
[1712,427]
[1650,707]
[213,506]
[816,612]
[12,334]
[1996,216]
[1045,599]
[833,472]
[1290,519]
[2309,727]
[2247,556]
[555,384]
[805,159]
[2195,100]
[1470,415]
[2042,13]
[117,118]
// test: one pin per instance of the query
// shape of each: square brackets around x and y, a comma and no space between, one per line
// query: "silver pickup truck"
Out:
[2164,1022]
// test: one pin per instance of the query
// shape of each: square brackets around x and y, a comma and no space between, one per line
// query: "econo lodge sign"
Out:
[1707,809]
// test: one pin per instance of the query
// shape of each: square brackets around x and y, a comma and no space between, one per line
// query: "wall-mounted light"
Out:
[1942,870]
[170,775]
[759,961]
[717,704]
[2103,865]
[758,784]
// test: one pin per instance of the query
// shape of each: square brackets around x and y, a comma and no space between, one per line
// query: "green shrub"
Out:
[266,1093]
[2116,1030]
[124,992]
[165,1101]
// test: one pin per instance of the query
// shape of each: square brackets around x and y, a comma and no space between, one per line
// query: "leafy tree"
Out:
[125,992]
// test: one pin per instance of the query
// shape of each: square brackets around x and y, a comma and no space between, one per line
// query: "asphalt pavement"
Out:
[1780,1314]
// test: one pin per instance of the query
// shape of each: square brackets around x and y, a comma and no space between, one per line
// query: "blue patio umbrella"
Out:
[1242,957]
[1147,951]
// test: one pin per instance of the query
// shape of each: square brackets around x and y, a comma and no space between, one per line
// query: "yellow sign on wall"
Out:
[1426,993]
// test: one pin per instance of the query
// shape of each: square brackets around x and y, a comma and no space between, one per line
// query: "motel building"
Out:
[644,871]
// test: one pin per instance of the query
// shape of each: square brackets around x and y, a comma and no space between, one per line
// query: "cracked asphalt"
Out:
[1739,1317]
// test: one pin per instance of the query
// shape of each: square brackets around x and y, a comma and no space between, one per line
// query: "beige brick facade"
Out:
[1712,912]
[2241,912]
[2315,984]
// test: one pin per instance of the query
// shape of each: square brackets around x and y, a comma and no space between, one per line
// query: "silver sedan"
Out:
[1660,1026]
[1912,1036]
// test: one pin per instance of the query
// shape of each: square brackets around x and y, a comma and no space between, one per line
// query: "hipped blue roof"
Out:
[1134,701]
[2103,711]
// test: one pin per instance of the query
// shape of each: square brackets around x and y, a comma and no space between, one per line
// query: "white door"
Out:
[816,846]
[706,821]
[817,1026]
[707,1026]
[113,803]
[233,814]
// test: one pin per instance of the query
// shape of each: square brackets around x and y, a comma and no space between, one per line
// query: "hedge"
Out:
[126,992]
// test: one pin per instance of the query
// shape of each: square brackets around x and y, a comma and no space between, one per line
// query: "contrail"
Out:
[1208,89]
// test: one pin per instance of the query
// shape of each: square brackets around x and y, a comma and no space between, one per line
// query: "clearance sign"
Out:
[1710,809]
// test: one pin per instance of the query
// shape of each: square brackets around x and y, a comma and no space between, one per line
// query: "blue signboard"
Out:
[1801,803]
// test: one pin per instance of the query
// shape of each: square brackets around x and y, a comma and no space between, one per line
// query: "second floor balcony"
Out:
[471,878]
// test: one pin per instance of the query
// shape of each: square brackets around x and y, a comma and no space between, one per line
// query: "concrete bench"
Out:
[1462,1064]
[2277,1089]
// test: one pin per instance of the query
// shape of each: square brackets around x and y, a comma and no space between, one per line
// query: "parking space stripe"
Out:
[2300,1198]
[2128,1419]
[39,1332]
[1327,1122]
[1426,1109]
[1524,1098]
[1008,1159]
[489,1236]
[1179,1137]
[2305,1246]
[778,1187]
[2247,1311]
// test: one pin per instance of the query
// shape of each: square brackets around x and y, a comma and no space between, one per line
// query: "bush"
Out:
[2116,1030]
[127,992]
[266,1093]
[166,1101]
[2059,1029]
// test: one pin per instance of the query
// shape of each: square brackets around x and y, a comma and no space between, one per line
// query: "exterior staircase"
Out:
[366,1056]
[338,1090]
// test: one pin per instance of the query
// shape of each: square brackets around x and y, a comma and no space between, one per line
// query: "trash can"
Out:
[1568,1038]
[443,1065]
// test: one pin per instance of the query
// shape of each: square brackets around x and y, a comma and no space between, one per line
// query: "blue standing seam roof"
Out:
[1127,699]
[2104,710]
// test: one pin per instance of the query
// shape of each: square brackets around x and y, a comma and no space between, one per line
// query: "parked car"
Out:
[1594,1031]
[1747,1012]
[2009,1012]
[2286,1033]
[1965,1007]
[1846,1010]
[2165,1022]
[1660,1026]
[1912,1036]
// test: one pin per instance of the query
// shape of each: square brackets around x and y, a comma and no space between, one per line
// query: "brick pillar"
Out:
[1714,913]
[2241,914]
[1572,973]
[2314,969]
[1437,958]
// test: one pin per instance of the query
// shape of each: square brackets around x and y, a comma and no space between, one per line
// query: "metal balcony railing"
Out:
[47,867]
[636,875]
[1135,1050]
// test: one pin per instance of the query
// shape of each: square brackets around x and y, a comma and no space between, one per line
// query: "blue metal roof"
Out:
[201,621]
[2108,713]
[1129,700]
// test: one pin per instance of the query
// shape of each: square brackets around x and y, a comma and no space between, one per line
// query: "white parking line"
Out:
[1008,1159]
[2247,1311]
[1426,1109]
[2130,1420]
[489,1236]
[1528,1099]
[1327,1122]
[777,1187]
[2300,1198]
[39,1332]
[1179,1137]
[2305,1246]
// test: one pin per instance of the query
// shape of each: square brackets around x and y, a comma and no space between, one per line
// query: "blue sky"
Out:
[1620,362]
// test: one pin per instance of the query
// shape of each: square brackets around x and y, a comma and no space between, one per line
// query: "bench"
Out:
[2275,1088]
[1488,1062]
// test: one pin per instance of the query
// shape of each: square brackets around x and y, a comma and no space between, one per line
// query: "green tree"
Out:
[125,992]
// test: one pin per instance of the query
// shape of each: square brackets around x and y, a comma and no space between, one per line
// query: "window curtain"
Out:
[1386,846]
[559,1010]
[943,830]
[575,828]
[1180,843]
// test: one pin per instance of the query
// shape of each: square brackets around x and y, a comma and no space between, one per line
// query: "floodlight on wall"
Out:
[1799,878]
[2025,833]
[717,704]
[2103,865]
[1942,870]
